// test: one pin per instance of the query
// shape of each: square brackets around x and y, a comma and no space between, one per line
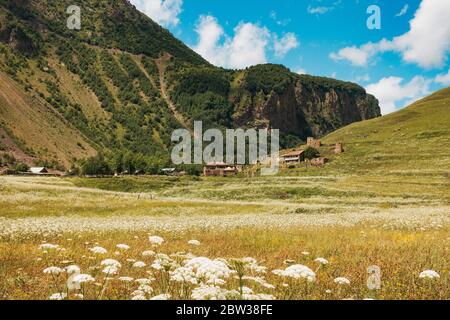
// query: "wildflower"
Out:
[148,253]
[125,279]
[322,261]
[208,292]
[342,281]
[139,297]
[110,270]
[73,269]
[145,288]
[83,278]
[209,270]
[58,296]
[161,297]
[123,247]
[194,242]
[48,246]
[143,281]
[111,263]
[139,264]
[78,296]
[328,291]
[98,250]
[155,240]
[429,274]
[297,271]
[163,261]
[305,253]
[184,274]
[53,270]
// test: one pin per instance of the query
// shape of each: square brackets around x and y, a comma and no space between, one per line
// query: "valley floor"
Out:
[400,224]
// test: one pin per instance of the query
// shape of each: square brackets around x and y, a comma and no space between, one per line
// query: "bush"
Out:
[311,153]
[21,167]
[95,166]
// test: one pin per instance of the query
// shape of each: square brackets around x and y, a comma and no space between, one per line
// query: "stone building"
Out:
[313,143]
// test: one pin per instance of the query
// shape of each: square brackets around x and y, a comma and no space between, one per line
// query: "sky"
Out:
[397,50]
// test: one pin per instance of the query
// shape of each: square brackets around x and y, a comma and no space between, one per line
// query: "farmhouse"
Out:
[294,157]
[38,170]
[219,169]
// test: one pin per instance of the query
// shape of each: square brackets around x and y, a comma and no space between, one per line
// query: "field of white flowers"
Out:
[161,248]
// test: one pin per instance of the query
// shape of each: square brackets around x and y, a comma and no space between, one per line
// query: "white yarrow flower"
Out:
[98,250]
[83,278]
[342,281]
[194,242]
[297,271]
[58,296]
[322,261]
[122,246]
[53,270]
[139,264]
[155,240]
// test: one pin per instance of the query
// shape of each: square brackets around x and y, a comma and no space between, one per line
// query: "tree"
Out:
[21,167]
[311,153]
[95,166]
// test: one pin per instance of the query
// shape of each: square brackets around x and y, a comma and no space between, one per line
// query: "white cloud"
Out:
[301,71]
[443,79]
[319,10]
[164,12]
[288,42]
[394,95]
[403,11]
[427,43]
[247,47]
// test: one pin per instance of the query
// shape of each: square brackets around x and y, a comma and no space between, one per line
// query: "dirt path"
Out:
[162,63]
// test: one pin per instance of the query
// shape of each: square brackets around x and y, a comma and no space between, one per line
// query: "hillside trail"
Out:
[162,63]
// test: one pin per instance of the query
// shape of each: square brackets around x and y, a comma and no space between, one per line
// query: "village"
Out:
[313,154]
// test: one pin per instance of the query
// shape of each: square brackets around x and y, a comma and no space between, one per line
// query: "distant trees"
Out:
[96,166]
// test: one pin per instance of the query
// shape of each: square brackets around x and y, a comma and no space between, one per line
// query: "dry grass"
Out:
[351,228]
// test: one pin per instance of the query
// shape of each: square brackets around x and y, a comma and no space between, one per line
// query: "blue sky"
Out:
[407,58]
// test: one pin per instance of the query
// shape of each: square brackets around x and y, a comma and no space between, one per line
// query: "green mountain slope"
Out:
[414,140]
[124,83]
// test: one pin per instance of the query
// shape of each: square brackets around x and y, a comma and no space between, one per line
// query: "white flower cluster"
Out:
[209,271]
[297,271]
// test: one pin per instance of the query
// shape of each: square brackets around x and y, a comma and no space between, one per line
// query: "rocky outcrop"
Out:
[304,110]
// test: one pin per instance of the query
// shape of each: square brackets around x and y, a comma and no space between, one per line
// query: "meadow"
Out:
[311,236]
[382,206]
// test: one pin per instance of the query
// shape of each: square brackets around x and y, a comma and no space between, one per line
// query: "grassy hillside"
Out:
[124,83]
[414,140]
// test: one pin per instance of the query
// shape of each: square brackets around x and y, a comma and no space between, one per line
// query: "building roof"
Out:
[37,170]
[293,154]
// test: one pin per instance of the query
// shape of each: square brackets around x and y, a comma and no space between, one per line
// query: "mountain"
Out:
[412,141]
[122,84]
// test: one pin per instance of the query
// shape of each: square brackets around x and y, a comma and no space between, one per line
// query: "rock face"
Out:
[302,111]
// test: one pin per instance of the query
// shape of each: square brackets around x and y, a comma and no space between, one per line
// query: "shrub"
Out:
[311,153]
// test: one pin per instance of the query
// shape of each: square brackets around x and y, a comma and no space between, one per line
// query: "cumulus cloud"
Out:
[288,42]
[426,44]
[443,79]
[248,46]
[164,12]
[403,11]
[301,71]
[394,94]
